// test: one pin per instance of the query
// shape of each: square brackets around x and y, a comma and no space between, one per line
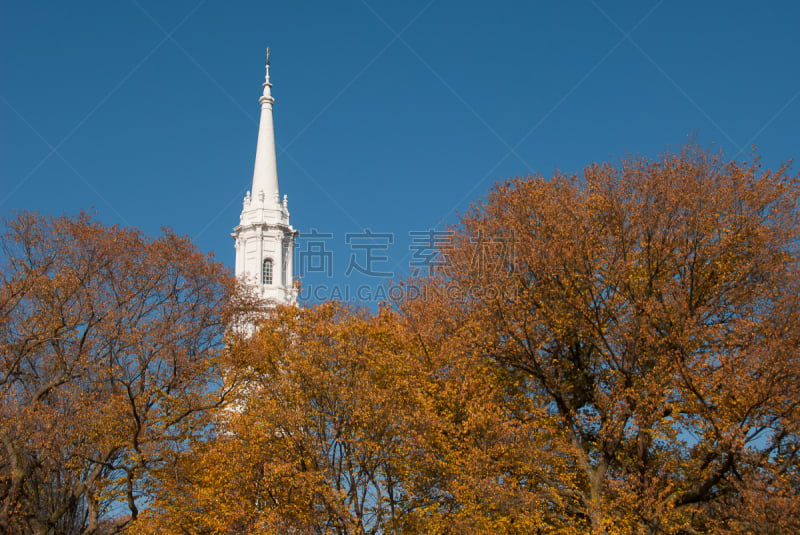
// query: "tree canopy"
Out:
[654,308]
[108,359]
[612,352]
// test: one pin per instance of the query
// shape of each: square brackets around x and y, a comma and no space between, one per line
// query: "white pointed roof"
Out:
[265,173]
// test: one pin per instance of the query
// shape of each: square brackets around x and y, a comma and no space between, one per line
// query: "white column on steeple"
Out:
[265,173]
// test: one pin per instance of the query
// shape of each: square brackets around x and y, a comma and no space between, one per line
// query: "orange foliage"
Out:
[654,309]
[343,422]
[108,344]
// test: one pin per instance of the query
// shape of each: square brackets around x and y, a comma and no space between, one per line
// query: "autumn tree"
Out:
[653,308]
[308,445]
[345,421]
[108,360]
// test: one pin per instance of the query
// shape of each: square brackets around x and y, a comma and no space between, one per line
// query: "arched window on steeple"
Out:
[266,271]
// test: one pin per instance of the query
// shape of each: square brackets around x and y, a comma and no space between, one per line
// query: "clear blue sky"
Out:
[389,115]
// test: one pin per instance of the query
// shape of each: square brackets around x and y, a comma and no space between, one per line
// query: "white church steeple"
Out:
[264,239]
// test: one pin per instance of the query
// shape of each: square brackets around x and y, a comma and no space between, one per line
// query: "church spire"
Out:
[265,174]
[264,238]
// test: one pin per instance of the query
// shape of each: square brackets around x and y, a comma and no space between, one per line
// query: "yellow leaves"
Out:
[350,425]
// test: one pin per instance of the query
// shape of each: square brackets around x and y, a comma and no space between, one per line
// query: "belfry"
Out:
[264,239]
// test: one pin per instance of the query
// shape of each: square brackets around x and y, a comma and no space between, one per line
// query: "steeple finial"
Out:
[266,83]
